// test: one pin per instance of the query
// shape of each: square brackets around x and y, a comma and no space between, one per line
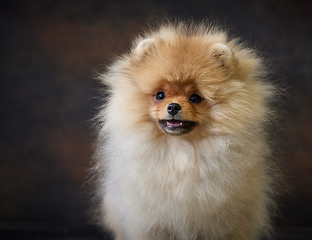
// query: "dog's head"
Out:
[176,74]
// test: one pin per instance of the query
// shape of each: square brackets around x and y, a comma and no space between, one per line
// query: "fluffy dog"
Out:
[182,150]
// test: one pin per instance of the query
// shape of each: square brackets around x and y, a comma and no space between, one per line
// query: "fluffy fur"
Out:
[202,172]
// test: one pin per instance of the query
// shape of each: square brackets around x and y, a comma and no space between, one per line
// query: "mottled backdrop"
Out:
[50,51]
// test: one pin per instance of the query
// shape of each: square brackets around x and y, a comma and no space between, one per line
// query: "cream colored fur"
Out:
[212,183]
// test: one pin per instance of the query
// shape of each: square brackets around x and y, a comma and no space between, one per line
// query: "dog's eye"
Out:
[160,95]
[195,98]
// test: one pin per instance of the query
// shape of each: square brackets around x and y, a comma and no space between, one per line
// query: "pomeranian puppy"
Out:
[182,150]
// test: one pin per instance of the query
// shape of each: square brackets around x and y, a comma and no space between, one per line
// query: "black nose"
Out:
[173,108]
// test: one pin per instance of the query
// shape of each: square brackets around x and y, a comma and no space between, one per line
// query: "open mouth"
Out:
[176,127]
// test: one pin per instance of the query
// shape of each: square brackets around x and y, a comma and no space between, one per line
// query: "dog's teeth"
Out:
[174,123]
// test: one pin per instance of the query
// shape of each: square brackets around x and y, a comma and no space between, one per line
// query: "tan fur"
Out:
[211,183]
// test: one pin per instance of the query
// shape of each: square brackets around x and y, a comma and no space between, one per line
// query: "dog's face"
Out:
[176,109]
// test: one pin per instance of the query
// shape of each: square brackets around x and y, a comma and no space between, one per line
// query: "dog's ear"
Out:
[144,48]
[145,45]
[221,54]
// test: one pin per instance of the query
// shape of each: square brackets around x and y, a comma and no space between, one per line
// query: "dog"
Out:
[182,150]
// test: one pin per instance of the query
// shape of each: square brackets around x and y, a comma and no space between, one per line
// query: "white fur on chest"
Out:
[175,182]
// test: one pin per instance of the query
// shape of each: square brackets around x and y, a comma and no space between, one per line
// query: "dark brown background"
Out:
[49,52]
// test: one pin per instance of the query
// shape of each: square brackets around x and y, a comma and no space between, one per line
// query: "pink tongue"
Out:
[174,123]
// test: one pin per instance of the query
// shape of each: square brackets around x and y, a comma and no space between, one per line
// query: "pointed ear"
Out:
[221,54]
[144,47]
